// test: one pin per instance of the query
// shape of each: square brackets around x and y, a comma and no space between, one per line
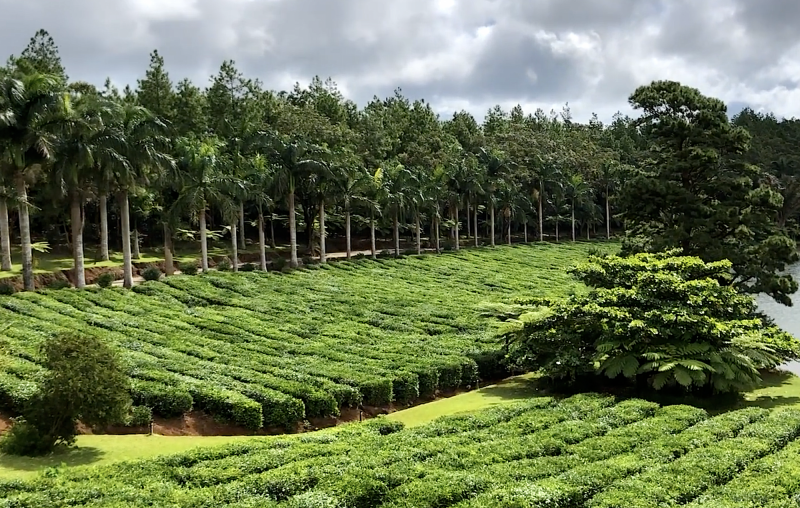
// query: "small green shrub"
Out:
[278,264]
[247,267]
[139,416]
[59,284]
[6,289]
[151,273]
[24,439]
[105,279]
[307,260]
[224,265]
[188,268]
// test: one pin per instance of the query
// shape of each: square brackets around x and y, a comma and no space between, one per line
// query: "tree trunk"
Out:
[234,248]
[573,220]
[541,215]
[455,212]
[103,204]
[242,239]
[475,222]
[491,221]
[125,225]
[557,221]
[466,212]
[587,231]
[76,220]
[323,256]
[509,228]
[372,233]
[419,234]
[396,234]
[292,232]
[272,232]
[348,247]
[525,229]
[436,233]
[25,234]
[203,240]
[262,247]
[5,237]
[608,217]
[169,264]
[136,252]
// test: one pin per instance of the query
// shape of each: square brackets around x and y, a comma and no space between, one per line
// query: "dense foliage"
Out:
[585,451]
[696,192]
[84,381]
[656,319]
[267,348]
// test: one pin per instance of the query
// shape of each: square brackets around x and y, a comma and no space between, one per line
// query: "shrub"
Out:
[59,284]
[151,273]
[105,279]
[248,267]
[278,264]
[85,382]
[6,289]
[139,416]
[23,438]
[188,268]
[653,318]
[224,265]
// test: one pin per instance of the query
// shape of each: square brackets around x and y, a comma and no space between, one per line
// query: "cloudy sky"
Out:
[457,54]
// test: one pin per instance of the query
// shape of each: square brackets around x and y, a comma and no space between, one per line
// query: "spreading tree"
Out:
[696,192]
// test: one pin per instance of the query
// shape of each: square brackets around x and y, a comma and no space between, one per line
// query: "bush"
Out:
[248,267]
[654,319]
[24,439]
[59,284]
[189,268]
[224,265]
[85,382]
[151,273]
[105,279]
[278,264]
[139,416]
[6,289]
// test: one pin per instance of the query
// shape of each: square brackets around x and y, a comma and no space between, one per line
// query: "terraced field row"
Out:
[584,451]
[268,349]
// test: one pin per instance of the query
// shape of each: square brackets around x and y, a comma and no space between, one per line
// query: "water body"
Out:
[787,318]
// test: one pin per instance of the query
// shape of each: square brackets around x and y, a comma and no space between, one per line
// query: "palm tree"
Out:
[31,108]
[607,181]
[259,176]
[495,167]
[202,183]
[395,183]
[5,230]
[578,192]
[145,156]
[351,180]
[90,139]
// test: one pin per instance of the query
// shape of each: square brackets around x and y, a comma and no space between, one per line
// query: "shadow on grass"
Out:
[520,387]
[76,456]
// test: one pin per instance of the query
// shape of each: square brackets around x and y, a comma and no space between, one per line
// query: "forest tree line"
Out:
[167,160]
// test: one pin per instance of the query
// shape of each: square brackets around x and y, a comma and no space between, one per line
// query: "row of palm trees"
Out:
[92,146]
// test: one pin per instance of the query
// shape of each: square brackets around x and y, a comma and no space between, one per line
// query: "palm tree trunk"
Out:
[573,220]
[608,217]
[242,239]
[76,220]
[272,232]
[262,247]
[125,224]
[525,229]
[557,221]
[436,233]
[323,256]
[103,204]
[25,233]
[292,232]
[455,212]
[509,228]
[372,233]
[466,212]
[419,234]
[541,215]
[203,240]
[169,264]
[396,234]
[136,248]
[491,221]
[475,223]
[349,247]
[5,237]
[587,231]
[234,247]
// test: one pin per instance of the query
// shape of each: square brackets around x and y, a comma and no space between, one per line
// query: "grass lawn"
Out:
[779,390]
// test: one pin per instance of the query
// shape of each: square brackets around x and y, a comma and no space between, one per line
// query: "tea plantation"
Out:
[583,451]
[270,349]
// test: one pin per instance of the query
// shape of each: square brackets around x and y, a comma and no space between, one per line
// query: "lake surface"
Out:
[787,318]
